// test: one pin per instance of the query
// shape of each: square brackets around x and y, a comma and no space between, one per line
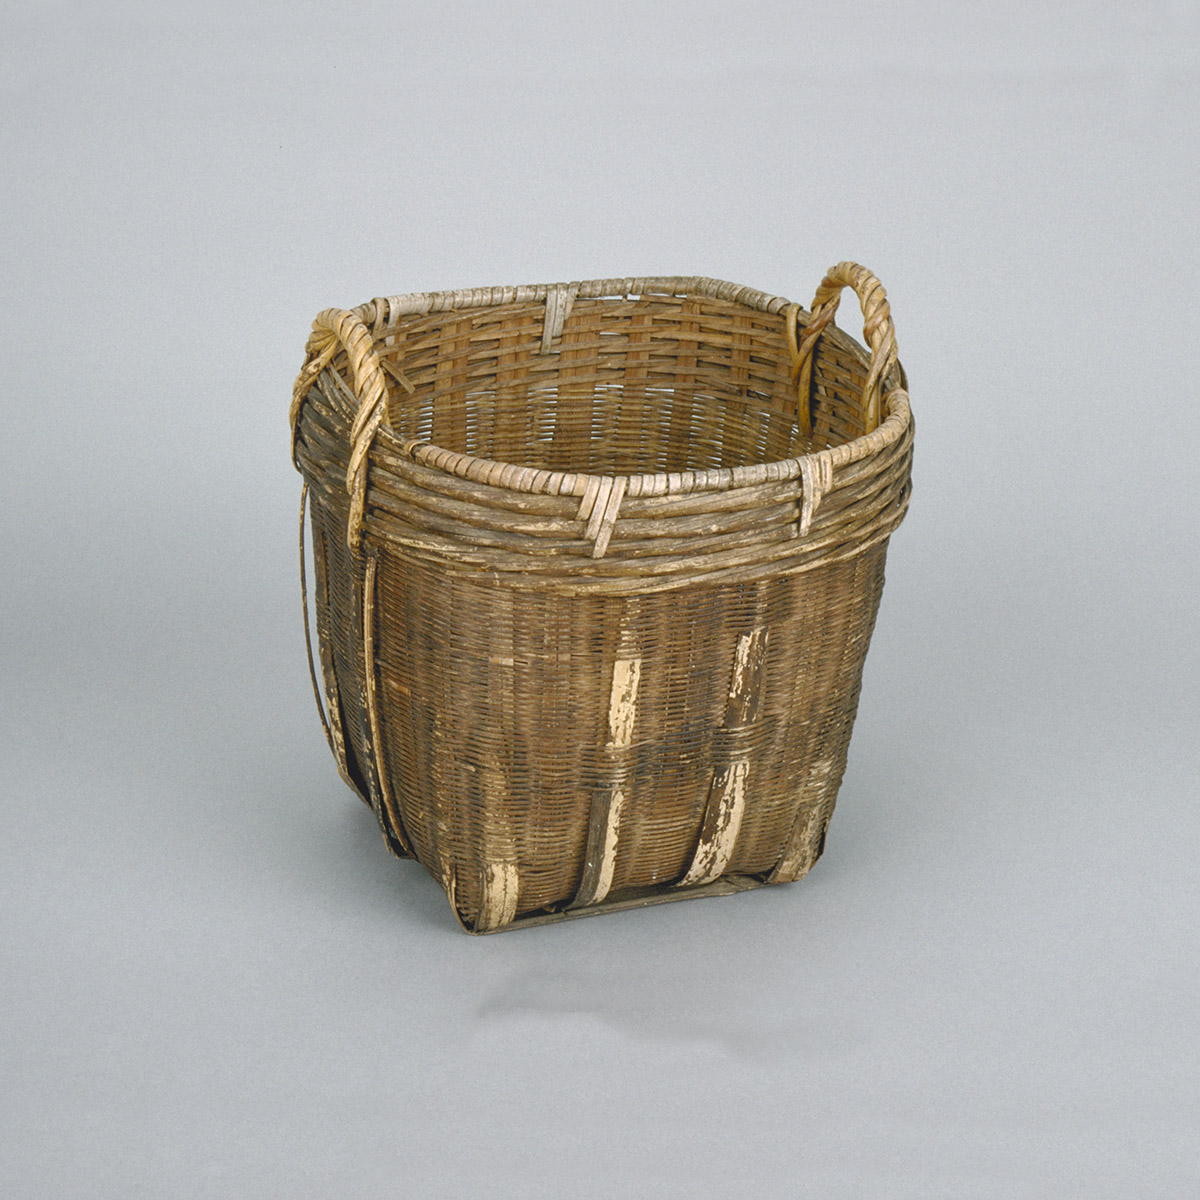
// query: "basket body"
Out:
[592,634]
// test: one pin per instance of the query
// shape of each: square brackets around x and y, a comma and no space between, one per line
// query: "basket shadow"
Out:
[651,976]
[344,857]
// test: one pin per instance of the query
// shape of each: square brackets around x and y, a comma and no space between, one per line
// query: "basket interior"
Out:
[653,383]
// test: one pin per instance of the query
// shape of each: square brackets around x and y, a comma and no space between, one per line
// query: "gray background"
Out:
[216,983]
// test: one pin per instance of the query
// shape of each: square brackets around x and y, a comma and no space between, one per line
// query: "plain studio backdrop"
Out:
[215,981]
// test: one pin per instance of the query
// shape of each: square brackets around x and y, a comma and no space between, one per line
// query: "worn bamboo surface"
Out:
[596,568]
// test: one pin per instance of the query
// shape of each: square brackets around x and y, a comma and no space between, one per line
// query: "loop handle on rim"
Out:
[333,329]
[877,329]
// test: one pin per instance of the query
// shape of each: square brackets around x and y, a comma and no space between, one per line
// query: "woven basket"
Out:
[596,566]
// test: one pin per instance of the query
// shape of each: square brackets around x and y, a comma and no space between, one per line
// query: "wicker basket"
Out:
[596,566]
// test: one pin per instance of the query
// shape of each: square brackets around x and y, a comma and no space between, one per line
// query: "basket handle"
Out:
[333,329]
[877,328]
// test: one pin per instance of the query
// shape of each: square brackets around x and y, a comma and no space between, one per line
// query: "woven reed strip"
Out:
[388,816]
[323,603]
[676,518]
[390,493]
[658,563]
[390,309]
[858,497]
[687,569]
[675,574]
[312,669]
[331,606]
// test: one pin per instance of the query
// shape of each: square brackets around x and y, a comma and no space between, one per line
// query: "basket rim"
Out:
[383,313]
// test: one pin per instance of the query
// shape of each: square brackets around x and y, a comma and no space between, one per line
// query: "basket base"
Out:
[727,885]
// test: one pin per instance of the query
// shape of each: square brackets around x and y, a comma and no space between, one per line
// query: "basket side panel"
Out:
[812,693]
[488,697]
[523,730]
[341,633]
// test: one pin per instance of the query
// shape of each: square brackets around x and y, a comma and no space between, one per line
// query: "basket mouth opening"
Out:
[670,379]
